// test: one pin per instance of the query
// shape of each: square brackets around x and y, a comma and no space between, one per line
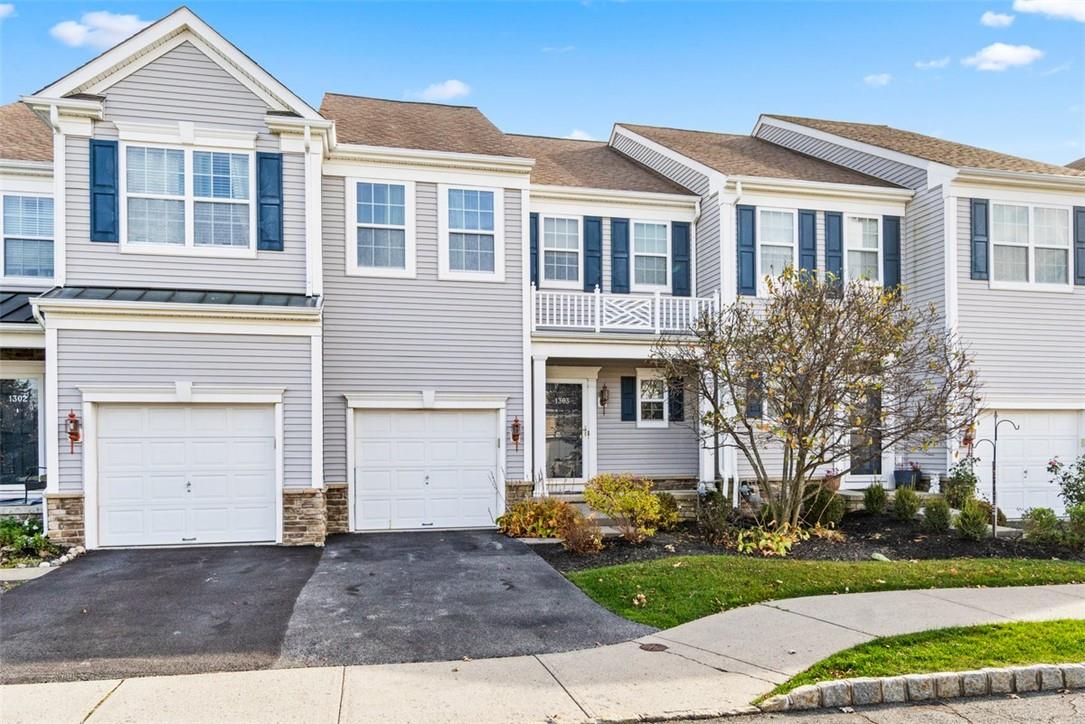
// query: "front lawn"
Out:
[671,591]
[953,649]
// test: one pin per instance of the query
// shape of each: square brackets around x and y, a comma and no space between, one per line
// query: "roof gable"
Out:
[161,37]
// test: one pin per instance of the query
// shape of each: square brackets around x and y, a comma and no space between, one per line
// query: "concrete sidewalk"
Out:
[709,667]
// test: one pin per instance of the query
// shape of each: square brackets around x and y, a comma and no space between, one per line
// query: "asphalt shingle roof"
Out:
[24,136]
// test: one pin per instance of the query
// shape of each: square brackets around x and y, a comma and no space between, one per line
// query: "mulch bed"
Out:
[865,535]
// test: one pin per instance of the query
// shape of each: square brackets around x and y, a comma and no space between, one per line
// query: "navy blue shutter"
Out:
[891,252]
[593,253]
[980,239]
[1079,245]
[619,256]
[834,245]
[808,241]
[103,191]
[533,227]
[269,199]
[676,401]
[629,399]
[747,250]
[680,267]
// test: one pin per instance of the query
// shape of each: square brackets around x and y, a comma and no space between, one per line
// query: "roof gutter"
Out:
[99,307]
[1021,179]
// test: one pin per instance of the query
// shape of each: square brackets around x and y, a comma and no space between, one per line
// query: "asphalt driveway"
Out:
[377,598]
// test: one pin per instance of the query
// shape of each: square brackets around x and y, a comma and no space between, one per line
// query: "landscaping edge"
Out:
[870,691]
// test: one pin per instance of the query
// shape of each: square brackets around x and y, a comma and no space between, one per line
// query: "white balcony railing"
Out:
[598,312]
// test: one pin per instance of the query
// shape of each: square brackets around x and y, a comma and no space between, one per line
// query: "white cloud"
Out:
[99,29]
[6,10]
[578,134]
[932,64]
[1056,69]
[996,20]
[1000,56]
[559,49]
[877,80]
[1067,9]
[445,91]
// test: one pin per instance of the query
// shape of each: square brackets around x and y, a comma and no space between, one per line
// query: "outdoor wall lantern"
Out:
[75,434]
[604,398]
[515,429]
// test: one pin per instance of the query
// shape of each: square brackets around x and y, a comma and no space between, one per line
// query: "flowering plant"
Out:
[1070,478]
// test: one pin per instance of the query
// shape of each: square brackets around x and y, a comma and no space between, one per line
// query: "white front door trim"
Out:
[181,392]
[588,378]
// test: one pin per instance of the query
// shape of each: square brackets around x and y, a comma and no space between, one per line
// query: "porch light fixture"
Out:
[75,434]
[604,398]
[514,432]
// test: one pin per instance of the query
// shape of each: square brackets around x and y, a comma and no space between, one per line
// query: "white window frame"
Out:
[33,370]
[761,274]
[878,220]
[409,271]
[1032,285]
[557,283]
[443,270]
[644,374]
[648,288]
[189,248]
[3,241]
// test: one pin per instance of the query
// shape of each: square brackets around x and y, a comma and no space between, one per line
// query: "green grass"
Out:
[953,649]
[683,588]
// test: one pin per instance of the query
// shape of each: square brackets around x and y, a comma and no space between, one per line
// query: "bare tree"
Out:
[821,374]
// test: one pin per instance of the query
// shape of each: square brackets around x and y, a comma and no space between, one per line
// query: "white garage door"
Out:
[186,475]
[1023,480]
[425,469]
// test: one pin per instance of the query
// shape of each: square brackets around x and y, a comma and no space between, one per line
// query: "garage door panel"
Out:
[122,489]
[163,421]
[163,487]
[250,453]
[478,452]
[442,452]
[118,454]
[406,424]
[249,421]
[122,421]
[246,487]
[374,481]
[409,480]
[407,452]
[166,454]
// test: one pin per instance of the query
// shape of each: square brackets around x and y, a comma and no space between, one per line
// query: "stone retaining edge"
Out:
[929,687]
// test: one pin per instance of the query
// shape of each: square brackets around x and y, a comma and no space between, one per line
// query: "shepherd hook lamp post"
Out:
[994,472]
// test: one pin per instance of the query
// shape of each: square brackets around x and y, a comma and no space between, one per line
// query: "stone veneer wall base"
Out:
[64,513]
[304,517]
[336,502]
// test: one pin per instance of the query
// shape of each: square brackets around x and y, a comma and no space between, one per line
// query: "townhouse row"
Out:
[230,317]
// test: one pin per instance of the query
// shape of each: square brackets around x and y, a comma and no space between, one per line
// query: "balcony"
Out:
[599,312]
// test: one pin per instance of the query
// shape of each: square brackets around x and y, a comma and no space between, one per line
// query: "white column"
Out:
[706,467]
[537,428]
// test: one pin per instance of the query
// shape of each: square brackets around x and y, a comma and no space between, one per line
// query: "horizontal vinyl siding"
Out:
[670,452]
[892,171]
[134,358]
[1027,344]
[675,171]
[102,264]
[185,85]
[923,261]
[406,335]
[707,248]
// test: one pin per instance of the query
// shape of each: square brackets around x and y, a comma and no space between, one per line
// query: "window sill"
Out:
[570,286]
[189,251]
[649,424]
[1031,287]
[462,276]
[381,273]
[28,281]
[650,288]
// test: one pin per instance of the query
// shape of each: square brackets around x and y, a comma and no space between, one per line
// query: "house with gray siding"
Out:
[230,317]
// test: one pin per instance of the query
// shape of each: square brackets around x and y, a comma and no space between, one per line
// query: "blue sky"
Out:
[1006,74]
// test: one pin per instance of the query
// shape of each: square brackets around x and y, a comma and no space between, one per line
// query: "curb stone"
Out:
[867,691]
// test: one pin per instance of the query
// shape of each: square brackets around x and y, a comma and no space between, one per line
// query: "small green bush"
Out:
[972,523]
[714,517]
[875,499]
[961,483]
[986,505]
[629,501]
[936,516]
[668,511]
[824,508]
[905,504]
[535,518]
[769,540]
[1042,526]
[1075,527]
[20,538]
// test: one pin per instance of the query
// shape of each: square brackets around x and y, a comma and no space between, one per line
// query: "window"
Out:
[561,252]
[182,200]
[866,442]
[1030,245]
[382,227]
[862,239]
[777,233]
[471,241]
[651,257]
[28,237]
[651,399]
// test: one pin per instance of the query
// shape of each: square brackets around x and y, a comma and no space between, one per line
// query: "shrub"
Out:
[535,518]
[770,540]
[668,511]
[905,504]
[936,516]
[875,499]
[714,517]
[581,534]
[1075,533]
[961,483]
[824,508]
[986,505]
[1070,479]
[1042,526]
[25,538]
[628,501]
[972,523]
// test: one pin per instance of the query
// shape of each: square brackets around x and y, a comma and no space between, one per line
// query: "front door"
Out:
[565,427]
